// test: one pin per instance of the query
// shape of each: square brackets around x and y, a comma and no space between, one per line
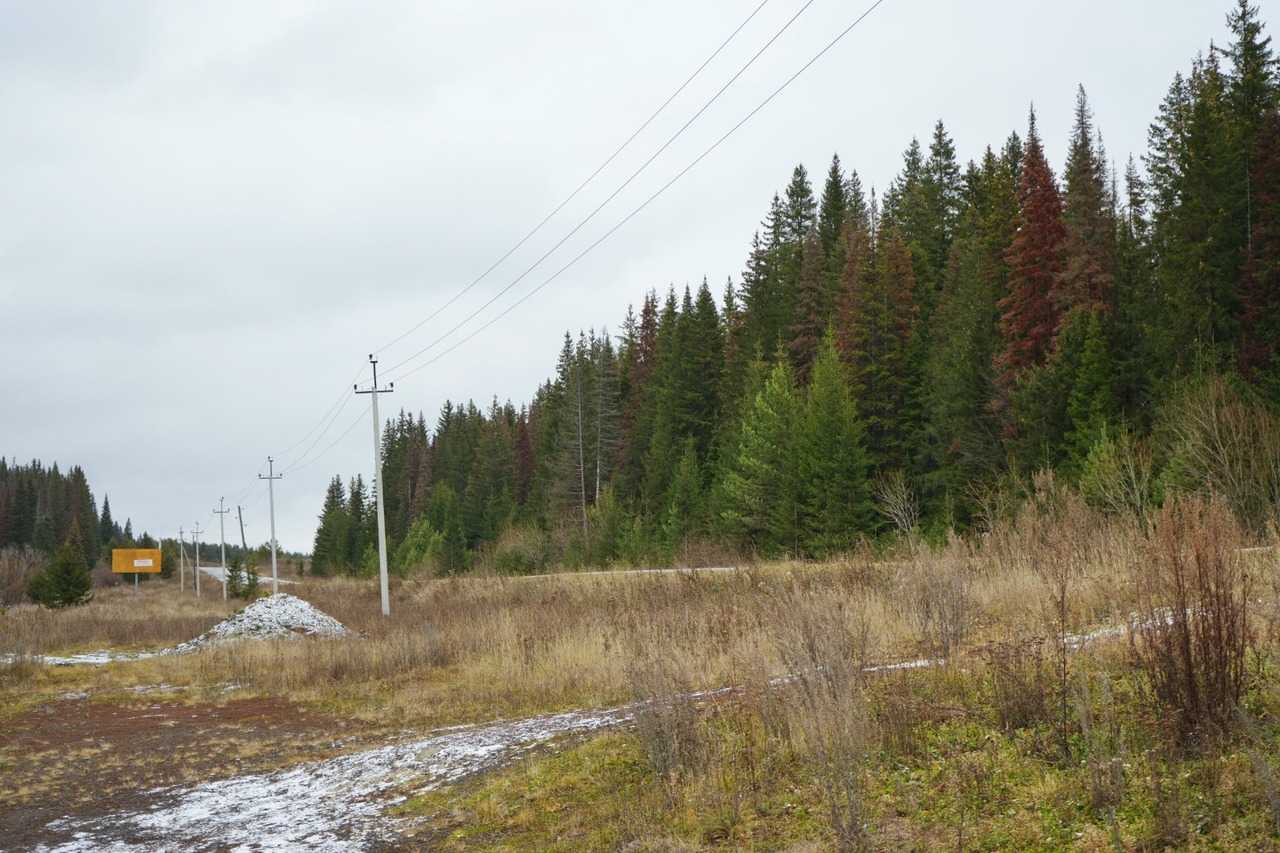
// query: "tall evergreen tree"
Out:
[66,581]
[834,492]
[1029,313]
[1259,360]
[833,213]
[876,322]
[962,437]
[329,552]
[1088,216]
[811,311]
[759,488]
[1197,238]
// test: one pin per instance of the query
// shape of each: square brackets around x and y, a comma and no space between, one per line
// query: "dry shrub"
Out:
[1223,439]
[1019,681]
[823,641]
[155,618]
[1105,748]
[17,565]
[519,550]
[1192,636]
[936,590]
[667,720]
[897,502]
[1119,475]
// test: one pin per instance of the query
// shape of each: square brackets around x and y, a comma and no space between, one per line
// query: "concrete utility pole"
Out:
[182,561]
[195,542]
[377,469]
[271,502]
[244,546]
[222,532]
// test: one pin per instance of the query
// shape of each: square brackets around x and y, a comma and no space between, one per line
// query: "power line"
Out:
[340,401]
[335,410]
[298,466]
[583,185]
[299,462]
[642,206]
[615,193]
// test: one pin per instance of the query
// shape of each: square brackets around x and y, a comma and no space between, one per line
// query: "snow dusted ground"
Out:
[277,616]
[333,805]
[337,804]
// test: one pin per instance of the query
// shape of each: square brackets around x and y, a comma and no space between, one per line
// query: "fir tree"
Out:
[811,311]
[329,552]
[1029,313]
[66,581]
[876,322]
[833,212]
[1259,360]
[834,493]
[1196,230]
[759,504]
[1088,216]
[1092,404]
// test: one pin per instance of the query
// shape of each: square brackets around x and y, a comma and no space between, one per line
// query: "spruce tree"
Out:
[1088,216]
[1092,404]
[1029,313]
[1259,360]
[811,311]
[66,581]
[876,322]
[834,492]
[759,483]
[1198,220]
[329,551]
[833,212]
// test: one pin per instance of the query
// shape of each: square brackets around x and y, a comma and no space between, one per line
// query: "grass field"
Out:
[1019,735]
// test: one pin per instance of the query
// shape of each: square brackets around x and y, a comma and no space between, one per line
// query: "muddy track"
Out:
[246,775]
[92,759]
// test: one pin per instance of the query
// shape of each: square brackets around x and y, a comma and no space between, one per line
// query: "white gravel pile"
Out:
[277,616]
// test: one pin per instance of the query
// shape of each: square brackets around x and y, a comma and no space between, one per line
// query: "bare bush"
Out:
[823,642]
[1019,678]
[1226,441]
[1105,748]
[1119,475]
[519,550]
[667,720]
[897,502]
[936,592]
[17,565]
[1192,636]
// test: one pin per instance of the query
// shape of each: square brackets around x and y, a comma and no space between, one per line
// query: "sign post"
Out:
[135,561]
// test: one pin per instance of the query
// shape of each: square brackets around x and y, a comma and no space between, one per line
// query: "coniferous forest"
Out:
[896,362]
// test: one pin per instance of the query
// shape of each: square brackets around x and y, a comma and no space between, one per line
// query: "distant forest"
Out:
[43,508]
[907,361]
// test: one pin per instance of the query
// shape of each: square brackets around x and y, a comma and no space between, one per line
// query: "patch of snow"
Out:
[332,805]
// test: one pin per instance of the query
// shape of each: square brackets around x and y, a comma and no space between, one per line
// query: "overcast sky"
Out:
[212,213]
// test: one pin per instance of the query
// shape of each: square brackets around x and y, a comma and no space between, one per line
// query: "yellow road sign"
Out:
[130,560]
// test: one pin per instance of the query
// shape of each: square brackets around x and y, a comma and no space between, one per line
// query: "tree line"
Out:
[905,359]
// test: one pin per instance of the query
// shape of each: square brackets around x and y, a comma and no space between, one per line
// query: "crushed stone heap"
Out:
[279,615]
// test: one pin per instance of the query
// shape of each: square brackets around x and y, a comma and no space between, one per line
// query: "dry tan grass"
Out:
[116,618]
[466,648]
[480,647]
